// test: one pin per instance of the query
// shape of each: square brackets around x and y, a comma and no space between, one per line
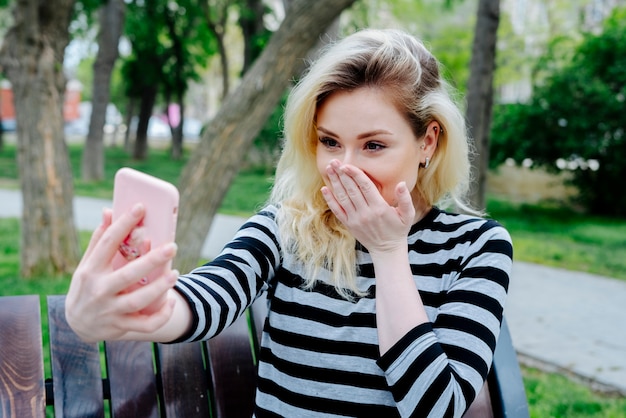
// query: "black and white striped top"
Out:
[319,354]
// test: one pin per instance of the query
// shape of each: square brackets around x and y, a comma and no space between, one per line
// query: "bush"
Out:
[576,118]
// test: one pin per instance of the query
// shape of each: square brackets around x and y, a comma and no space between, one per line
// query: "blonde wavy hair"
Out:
[400,65]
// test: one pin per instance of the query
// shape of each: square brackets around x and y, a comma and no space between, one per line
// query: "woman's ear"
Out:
[431,138]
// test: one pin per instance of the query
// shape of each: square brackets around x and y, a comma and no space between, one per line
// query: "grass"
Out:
[554,395]
[249,190]
[559,236]
[543,233]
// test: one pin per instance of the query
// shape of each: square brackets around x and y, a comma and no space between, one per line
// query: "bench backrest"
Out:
[138,379]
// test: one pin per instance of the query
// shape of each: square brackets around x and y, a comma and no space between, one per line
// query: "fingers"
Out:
[341,195]
[405,207]
[149,323]
[108,245]
[351,188]
[97,234]
[131,273]
[150,295]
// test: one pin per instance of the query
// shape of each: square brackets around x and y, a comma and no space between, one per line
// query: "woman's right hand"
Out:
[98,304]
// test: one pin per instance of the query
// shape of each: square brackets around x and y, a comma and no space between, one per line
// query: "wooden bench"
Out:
[139,379]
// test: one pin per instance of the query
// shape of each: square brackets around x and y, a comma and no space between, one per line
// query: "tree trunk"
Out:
[148,98]
[130,110]
[252,27]
[111,26]
[480,94]
[214,163]
[177,131]
[218,28]
[32,59]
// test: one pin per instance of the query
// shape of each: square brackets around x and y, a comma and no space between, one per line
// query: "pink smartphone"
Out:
[158,227]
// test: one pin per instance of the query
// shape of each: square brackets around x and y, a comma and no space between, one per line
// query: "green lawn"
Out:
[561,237]
[543,233]
[553,395]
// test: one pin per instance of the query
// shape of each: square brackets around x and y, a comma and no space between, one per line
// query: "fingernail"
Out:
[137,210]
[170,249]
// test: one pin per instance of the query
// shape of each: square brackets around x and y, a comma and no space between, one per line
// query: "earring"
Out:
[422,146]
[427,162]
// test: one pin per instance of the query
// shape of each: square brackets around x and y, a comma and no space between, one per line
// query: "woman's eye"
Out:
[328,142]
[374,146]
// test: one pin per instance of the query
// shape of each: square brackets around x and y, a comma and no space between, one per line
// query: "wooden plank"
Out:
[233,371]
[22,387]
[76,370]
[183,379]
[132,380]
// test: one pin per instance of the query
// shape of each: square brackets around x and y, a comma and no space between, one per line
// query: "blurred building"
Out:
[70,106]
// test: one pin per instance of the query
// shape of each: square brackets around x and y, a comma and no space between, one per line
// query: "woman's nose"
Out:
[348,157]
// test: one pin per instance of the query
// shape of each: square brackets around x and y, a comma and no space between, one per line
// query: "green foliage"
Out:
[84,74]
[84,17]
[446,28]
[577,114]
[267,144]
[510,63]
[188,43]
[554,395]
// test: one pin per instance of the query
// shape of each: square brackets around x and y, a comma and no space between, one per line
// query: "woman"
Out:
[380,302]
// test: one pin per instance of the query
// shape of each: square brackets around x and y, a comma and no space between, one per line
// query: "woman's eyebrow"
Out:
[363,135]
[326,131]
[373,133]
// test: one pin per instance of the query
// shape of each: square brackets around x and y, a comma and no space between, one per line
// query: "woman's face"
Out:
[364,129]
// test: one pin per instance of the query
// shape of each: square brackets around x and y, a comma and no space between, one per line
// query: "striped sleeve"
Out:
[221,290]
[438,368]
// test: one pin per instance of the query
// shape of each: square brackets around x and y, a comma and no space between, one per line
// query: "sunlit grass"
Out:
[561,237]
[554,395]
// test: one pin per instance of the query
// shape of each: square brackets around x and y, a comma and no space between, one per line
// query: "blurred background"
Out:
[193,91]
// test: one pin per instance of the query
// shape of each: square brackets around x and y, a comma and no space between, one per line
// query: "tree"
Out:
[188,47]
[254,32]
[111,23]
[575,119]
[480,94]
[144,69]
[212,167]
[32,60]
[216,17]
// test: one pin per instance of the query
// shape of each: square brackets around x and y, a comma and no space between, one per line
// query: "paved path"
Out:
[560,320]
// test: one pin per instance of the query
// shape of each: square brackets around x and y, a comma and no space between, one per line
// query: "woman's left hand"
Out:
[357,203]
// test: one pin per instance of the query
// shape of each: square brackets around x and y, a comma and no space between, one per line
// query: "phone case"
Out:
[160,200]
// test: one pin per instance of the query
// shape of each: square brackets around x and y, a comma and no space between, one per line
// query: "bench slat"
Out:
[22,387]
[233,370]
[186,375]
[76,371]
[184,379]
[132,382]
